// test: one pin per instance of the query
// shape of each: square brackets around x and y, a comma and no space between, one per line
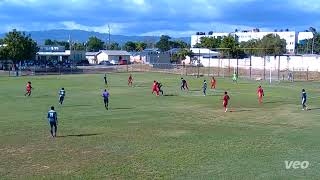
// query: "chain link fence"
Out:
[244,72]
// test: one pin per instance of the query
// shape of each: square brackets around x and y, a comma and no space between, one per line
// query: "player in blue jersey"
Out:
[204,87]
[304,99]
[53,121]
[62,94]
[105,96]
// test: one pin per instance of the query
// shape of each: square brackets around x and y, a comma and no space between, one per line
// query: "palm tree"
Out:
[314,31]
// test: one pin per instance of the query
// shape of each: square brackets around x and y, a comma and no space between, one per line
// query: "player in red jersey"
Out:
[260,94]
[28,88]
[155,87]
[213,83]
[226,99]
[130,80]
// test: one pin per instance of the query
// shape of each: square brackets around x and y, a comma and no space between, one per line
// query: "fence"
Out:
[223,70]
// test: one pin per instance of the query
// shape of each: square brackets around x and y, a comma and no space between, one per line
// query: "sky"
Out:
[177,18]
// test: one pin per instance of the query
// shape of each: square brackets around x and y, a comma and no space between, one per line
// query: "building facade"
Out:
[291,37]
[58,53]
[113,56]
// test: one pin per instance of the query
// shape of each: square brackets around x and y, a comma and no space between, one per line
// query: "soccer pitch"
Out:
[182,135]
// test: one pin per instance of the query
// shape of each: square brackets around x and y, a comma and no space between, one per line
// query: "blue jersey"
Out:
[62,92]
[52,116]
[205,85]
[304,96]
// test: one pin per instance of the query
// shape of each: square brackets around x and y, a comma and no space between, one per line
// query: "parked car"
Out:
[105,63]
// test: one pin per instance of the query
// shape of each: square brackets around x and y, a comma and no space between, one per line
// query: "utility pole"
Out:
[109,35]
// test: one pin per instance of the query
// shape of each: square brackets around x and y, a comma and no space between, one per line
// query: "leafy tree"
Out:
[178,44]
[273,45]
[95,44]
[79,47]
[230,47]
[50,42]
[210,42]
[140,46]
[130,46]
[251,47]
[181,55]
[113,46]
[164,43]
[19,46]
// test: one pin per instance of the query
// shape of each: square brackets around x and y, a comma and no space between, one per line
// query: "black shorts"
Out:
[53,123]
[61,98]
[106,100]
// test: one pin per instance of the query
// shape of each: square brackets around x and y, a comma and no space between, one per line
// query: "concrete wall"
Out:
[299,63]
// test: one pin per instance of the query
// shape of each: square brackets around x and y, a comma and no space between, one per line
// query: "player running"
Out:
[105,79]
[235,77]
[159,85]
[304,99]
[184,85]
[130,81]
[260,93]
[62,94]
[204,87]
[53,121]
[155,87]
[213,83]
[105,96]
[226,99]
[28,88]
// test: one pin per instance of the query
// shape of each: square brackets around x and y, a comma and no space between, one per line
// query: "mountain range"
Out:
[83,36]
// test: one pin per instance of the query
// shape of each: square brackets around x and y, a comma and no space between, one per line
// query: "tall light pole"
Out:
[109,35]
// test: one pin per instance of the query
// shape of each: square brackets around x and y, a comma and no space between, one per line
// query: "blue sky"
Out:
[156,17]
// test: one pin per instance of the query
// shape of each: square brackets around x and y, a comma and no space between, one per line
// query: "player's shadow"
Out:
[170,95]
[313,109]
[79,105]
[273,102]
[122,108]
[79,135]
[243,110]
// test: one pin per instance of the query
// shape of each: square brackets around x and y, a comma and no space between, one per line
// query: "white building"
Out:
[291,37]
[113,56]
[92,57]
[58,53]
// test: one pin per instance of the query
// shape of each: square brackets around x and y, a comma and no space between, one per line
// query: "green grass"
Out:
[180,136]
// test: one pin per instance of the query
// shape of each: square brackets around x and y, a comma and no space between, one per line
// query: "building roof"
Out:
[65,53]
[115,53]
[92,53]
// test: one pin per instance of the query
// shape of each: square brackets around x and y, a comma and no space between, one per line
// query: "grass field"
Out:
[179,136]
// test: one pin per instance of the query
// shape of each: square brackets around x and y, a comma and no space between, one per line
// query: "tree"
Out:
[164,43]
[273,45]
[181,55]
[210,42]
[94,44]
[49,42]
[130,46]
[250,47]
[140,46]
[178,44]
[79,47]
[113,46]
[19,46]
[230,47]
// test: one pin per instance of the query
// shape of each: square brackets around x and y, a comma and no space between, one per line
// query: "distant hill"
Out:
[82,36]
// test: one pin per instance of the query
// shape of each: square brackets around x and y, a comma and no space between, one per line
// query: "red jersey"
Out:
[260,92]
[29,87]
[213,81]
[130,78]
[226,98]
[154,85]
